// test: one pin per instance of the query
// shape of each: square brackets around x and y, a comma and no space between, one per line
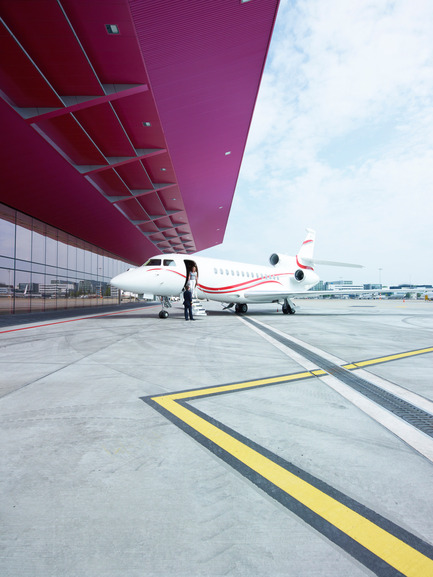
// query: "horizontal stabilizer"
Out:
[314,261]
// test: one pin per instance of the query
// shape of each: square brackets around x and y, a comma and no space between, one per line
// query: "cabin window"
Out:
[227,272]
[215,270]
[237,273]
[248,275]
[221,271]
[169,262]
[233,273]
[243,274]
[153,262]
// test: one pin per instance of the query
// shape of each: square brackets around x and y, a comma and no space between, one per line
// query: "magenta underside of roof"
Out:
[123,122]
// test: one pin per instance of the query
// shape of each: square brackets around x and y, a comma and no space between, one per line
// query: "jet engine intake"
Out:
[280,260]
[274,259]
[299,275]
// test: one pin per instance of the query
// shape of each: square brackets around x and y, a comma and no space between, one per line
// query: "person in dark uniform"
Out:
[187,303]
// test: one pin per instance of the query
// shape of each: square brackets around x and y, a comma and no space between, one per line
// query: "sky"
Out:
[341,141]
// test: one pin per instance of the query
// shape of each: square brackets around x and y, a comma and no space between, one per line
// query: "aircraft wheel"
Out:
[163,314]
[286,310]
[238,309]
[244,308]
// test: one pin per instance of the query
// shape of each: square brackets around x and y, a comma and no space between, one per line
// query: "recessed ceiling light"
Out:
[245,1]
[163,169]
[112,28]
[147,124]
[220,207]
[228,152]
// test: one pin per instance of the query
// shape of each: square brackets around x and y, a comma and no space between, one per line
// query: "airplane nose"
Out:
[117,280]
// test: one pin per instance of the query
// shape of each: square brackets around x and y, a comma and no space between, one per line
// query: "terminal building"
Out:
[123,129]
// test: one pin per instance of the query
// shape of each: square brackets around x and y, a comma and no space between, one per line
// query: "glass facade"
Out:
[43,268]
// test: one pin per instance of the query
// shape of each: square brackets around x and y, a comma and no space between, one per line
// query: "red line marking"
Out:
[73,320]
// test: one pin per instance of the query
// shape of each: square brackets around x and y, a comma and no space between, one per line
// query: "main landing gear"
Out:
[241,309]
[288,307]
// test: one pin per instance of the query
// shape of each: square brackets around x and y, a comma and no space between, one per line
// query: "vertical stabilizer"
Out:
[305,254]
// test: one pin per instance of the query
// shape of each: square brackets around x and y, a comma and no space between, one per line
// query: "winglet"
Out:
[307,249]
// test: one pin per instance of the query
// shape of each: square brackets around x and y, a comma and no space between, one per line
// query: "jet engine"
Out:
[306,275]
[280,260]
[299,275]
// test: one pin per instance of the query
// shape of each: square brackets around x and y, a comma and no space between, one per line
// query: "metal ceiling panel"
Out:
[205,76]
[113,138]
[103,126]
[116,58]
[152,205]
[110,183]
[139,116]
[69,137]
[135,176]
[45,33]
[20,79]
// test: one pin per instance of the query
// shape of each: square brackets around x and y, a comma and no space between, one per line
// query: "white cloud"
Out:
[342,139]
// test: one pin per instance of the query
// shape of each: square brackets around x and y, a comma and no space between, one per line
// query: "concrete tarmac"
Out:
[264,444]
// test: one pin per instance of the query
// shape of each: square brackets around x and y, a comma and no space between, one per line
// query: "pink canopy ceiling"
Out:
[124,122]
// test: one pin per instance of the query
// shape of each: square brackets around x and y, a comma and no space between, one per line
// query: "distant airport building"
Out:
[343,285]
[123,127]
[338,285]
[420,287]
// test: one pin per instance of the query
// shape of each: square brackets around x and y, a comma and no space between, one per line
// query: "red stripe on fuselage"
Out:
[236,288]
[167,270]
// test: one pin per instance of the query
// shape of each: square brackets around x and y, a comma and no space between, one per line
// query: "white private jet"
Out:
[233,283]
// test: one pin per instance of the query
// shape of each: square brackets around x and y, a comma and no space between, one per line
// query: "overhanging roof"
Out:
[131,141]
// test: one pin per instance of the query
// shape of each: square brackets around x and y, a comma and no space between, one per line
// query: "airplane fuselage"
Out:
[226,281]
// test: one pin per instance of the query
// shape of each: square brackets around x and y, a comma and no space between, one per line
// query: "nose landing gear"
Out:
[165,303]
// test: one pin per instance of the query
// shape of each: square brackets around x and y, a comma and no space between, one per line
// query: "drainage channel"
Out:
[416,417]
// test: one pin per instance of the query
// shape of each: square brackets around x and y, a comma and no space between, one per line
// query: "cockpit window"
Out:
[169,262]
[153,262]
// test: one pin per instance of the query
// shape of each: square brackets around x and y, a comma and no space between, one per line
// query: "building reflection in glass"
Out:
[43,268]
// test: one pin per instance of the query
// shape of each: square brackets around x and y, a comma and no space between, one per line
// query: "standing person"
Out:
[187,303]
[192,279]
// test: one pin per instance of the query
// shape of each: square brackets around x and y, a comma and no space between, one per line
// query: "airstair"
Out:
[198,309]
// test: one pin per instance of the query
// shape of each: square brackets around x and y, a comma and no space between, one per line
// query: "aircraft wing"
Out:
[271,296]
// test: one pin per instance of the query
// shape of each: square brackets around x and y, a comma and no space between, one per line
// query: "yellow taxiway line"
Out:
[388,358]
[384,545]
